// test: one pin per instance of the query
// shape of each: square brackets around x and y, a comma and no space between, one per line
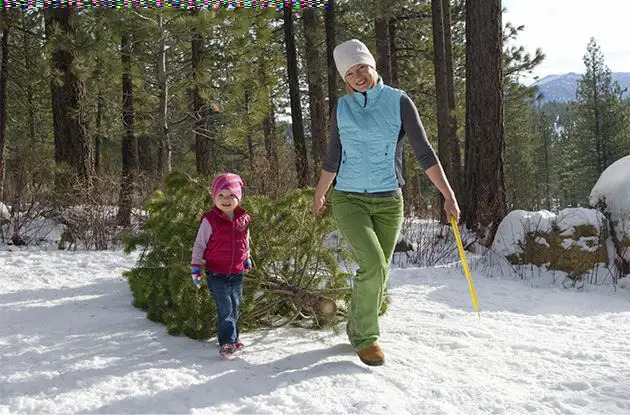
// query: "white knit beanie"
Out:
[350,53]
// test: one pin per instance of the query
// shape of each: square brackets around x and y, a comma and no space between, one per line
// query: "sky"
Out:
[562,29]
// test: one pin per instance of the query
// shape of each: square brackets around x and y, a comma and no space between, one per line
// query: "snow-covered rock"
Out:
[611,195]
[572,240]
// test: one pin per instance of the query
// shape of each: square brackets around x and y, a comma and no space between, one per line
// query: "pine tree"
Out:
[543,176]
[520,147]
[383,61]
[129,143]
[595,130]
[296,278]
[199,107]
[331,42]
[73,141]
[4,63]
[522,138]
[485,203]
[315,78]
[523,161]
[598,98]
[28,155]
[297,125]
[241,85]
[448,143]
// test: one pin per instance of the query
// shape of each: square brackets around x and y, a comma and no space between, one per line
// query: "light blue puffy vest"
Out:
[368,136]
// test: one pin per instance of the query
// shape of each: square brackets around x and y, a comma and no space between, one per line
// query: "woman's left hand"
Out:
[451,208]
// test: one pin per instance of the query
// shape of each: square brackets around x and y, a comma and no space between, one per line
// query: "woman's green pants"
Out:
[371,225]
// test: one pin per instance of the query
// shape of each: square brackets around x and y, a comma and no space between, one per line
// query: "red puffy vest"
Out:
[227,248]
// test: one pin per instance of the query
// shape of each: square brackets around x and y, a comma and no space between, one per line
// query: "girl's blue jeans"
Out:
[227,291]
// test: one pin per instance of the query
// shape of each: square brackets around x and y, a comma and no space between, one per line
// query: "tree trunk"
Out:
[129,144]
[202,143]
[546,166]
[301,160]
[408,187]
[383,63]
[98,137]
[315,87]
[146,161]
[599,145]
[26,47]
[271,148]
[393,59]
[73,144]
[485,204]
[269,131]
[248,136]
[4,72]
[441,97]
[164,147]
[457,175]
[330,60]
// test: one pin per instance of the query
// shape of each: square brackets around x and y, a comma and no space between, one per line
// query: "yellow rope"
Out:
[462,255]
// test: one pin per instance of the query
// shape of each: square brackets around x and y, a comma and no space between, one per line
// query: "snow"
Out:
[568,219]
[510,236]
[40,226]
[4,212]
[432,243]
[613,187]
[541,241]
[34,230]
[70,341]
[511,231]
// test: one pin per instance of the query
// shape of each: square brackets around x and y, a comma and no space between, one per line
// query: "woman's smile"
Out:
[359,77]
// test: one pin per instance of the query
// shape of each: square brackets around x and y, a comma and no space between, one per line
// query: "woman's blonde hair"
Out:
[373,80]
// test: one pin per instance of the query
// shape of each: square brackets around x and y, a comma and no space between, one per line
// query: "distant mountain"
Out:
[563,87]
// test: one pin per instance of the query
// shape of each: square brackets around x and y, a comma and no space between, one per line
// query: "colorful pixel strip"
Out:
[163,4]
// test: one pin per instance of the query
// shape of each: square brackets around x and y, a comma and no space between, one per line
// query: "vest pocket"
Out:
[342,165]
[349,175]
[383,167]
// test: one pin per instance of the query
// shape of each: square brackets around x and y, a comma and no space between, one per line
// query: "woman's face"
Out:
[360,77]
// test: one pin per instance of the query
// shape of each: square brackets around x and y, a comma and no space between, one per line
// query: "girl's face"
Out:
[226,201]
[360,77]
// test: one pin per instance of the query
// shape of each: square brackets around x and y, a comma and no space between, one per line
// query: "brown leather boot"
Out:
[372,355]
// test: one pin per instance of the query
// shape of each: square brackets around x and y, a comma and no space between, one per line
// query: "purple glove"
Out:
[247,264]
[196,275]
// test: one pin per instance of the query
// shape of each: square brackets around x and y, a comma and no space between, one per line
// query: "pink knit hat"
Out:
[228,181]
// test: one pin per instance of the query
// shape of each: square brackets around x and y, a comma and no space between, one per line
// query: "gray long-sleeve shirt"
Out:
[411,125]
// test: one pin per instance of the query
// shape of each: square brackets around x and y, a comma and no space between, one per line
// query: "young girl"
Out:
[365,157]
[222,242]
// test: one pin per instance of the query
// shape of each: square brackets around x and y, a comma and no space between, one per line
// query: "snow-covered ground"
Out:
[70,342]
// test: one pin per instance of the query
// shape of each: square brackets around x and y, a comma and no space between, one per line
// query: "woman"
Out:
[365,156]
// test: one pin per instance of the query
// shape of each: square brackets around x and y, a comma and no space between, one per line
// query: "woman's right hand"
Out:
[319,199]
[319,204]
